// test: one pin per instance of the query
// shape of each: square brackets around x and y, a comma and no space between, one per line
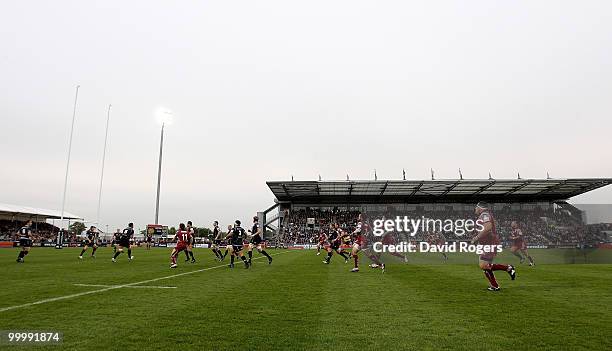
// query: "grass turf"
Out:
[297,303]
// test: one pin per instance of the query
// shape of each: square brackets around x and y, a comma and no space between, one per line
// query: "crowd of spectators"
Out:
[41,232]
[539,226]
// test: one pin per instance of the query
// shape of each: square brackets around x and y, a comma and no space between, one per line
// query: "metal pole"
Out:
[102,172]
[76,96]
[161,149]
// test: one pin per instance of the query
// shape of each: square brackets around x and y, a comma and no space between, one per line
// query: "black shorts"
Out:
[25,242]
[90,243]
[335,245]
[217,242]
[237,247]
[124,243]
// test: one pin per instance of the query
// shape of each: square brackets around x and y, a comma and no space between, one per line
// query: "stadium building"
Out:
[13,217]
[302,208]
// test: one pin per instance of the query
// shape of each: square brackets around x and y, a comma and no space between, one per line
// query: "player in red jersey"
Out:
[390,238]
[322,241]
[183,238]
[358,236]
[518,244]
[488,236]
[437,239]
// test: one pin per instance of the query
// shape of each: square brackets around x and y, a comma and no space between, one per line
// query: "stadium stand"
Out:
[540,207]
[13,217]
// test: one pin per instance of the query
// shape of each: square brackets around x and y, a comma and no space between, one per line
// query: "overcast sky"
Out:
[262,90]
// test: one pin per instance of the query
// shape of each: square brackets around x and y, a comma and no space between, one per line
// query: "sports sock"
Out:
[343,255]
[356,257]
[329,256]
[491,277]
[187,254]
[93,251]
[117,253]
[25,253]
[20,254]
[191,254]
[499,267]
[263,252]
[232,259]
[225,253]
[530,259]
[130,253]
[82,252]
[250,255]
[243,259]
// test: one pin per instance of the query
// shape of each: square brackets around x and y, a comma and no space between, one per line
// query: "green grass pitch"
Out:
[297,303]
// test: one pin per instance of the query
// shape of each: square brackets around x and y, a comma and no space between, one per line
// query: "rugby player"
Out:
[334,244]
[149,240]
[235,239]
[92,240]
[227,244]
[256,241]
[182,238]
[189,250]
[25,241]
[322,241]
[437,239]
[358,236]
[115,240]
[488,236]
[518,244]
[390,238]
[124,241]
[217,241]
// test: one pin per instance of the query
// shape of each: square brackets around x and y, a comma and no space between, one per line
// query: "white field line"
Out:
[113,287]
[133,287]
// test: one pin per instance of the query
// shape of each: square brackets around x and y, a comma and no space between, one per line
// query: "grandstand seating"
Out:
[540,227]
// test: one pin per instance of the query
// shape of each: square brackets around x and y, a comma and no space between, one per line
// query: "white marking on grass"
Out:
[113,287]
[133,287]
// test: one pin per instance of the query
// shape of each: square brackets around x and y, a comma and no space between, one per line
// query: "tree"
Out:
[77,227]
[172,231]
[202,232]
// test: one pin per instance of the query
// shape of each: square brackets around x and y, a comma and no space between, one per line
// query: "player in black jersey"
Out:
[149,240]
[257,241]
[124,241]
[25,241]
[217,241]
[91,240]
[227,243]
[236,239]
[335,238]
[189,251]
[115,240]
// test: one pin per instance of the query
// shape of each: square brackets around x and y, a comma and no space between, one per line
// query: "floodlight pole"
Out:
[76,96]
[161,150]
[102,172]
